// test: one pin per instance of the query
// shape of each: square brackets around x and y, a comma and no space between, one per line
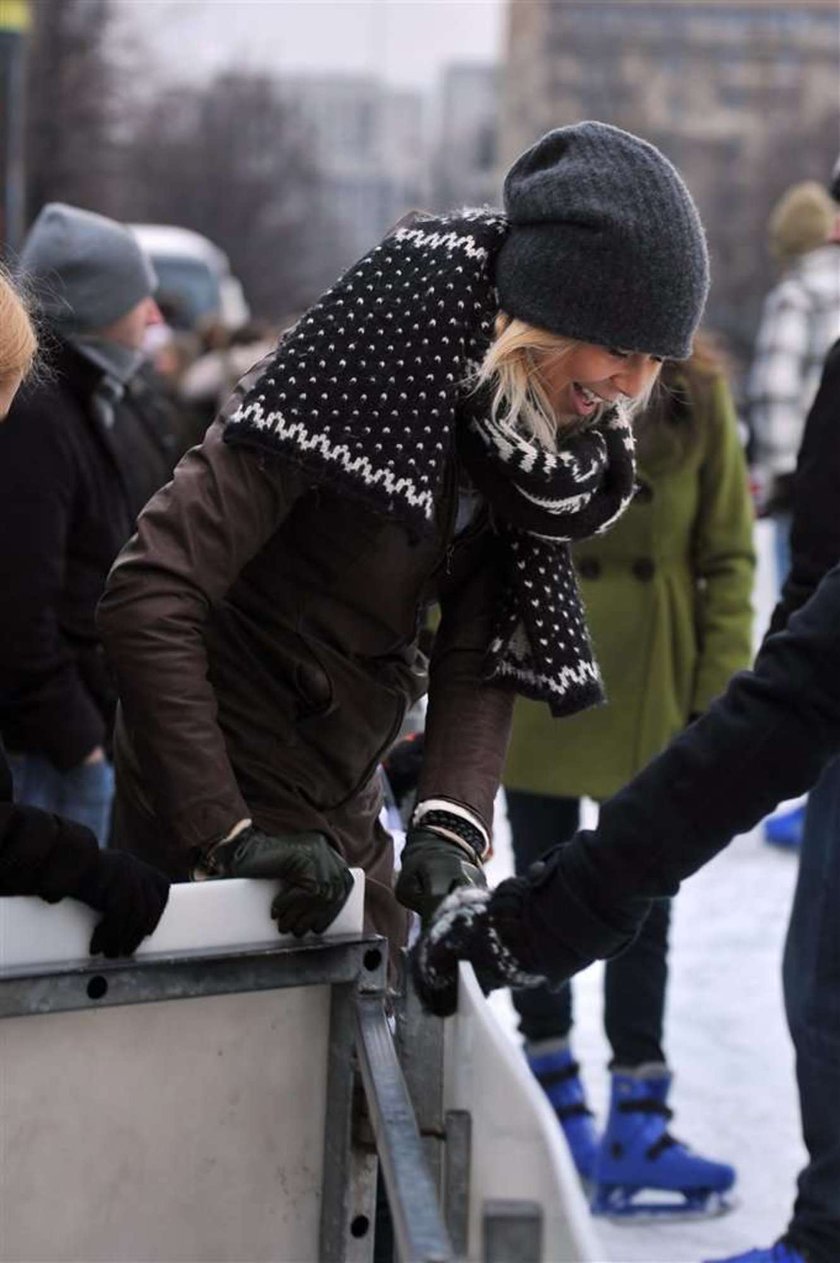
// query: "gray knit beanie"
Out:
[605,244]
[86,270]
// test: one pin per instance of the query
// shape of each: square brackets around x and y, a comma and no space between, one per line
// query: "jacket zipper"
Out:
[477,525]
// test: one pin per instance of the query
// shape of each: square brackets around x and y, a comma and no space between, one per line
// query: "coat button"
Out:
[644,495]
[589,567]
[644,568]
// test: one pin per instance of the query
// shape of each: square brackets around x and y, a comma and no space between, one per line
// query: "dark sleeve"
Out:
[723,553]
[468,721]
[44,694]
[765,740]
[815,534]
[193,539]
[41,854]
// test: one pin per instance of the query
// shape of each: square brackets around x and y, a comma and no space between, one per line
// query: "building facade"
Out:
[465,168]
[368,143]
[742,96]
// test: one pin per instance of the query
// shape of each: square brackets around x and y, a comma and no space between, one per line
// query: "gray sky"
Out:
[404,41]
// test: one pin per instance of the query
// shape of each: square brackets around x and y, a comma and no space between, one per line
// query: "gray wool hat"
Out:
[605,243]
[86,270]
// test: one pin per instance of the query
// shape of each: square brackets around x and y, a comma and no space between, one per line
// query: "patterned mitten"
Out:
[479,926]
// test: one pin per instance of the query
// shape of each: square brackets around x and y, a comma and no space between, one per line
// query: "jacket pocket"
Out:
[352,713]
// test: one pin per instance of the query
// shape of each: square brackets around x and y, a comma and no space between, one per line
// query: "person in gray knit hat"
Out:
[87,271]
[85,445]
[436,428]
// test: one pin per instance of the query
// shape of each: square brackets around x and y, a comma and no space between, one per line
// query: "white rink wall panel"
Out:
[188,1131]
[517,1152]
[184,1131]
[200,916]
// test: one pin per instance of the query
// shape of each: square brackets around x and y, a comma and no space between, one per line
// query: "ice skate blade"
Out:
[619,1204]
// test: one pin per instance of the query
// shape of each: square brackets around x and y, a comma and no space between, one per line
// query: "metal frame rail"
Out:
[360,1047]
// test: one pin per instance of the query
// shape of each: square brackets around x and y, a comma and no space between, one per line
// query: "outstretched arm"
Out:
[766,739]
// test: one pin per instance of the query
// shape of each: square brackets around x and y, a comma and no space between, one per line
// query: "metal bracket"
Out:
[87,986]
[418,1226]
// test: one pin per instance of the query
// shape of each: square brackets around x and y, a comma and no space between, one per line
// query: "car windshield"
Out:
[188,290]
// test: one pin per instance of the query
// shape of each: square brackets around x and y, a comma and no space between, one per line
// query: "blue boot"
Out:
[558,1074]
[781,1252]
[785,830]
[638,1156]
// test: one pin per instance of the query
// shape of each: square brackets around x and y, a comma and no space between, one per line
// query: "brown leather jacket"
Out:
[263,629]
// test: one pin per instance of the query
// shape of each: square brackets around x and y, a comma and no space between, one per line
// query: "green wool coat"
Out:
[668,599]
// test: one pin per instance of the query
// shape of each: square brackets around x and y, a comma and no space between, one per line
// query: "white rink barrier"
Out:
[185,1129]
[199,916]
[517,1154]
[177,1109]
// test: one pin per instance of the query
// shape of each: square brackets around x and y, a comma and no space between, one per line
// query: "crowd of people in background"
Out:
[216,660]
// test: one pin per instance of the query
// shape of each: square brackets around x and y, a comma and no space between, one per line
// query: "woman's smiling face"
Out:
[580,380]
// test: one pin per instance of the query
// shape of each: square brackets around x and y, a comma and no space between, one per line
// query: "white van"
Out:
[195,274]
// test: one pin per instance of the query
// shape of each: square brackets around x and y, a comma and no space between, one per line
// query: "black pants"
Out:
[635,981]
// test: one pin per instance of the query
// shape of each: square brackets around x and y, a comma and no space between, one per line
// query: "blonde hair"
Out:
[18,343]
[511,370]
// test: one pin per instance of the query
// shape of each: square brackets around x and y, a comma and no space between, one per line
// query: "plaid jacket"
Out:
[800,320]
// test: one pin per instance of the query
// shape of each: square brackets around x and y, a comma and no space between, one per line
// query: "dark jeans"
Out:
[635,981]
[812,1000]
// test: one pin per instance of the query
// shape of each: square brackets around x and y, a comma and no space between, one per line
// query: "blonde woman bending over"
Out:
[437,428]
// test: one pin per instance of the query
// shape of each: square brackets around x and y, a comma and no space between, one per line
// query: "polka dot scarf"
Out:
[367,391]
[541,501]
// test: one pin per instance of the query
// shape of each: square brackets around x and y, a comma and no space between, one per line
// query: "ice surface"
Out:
[734,1093]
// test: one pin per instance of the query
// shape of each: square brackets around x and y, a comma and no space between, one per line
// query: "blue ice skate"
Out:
[638,1158]
[558,1074]
[781,1252]
[785,830]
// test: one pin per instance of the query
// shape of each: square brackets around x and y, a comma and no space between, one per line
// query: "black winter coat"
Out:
[70,490]
[815,533]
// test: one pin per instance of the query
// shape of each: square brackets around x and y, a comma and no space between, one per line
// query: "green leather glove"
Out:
[316,882]
[432,867]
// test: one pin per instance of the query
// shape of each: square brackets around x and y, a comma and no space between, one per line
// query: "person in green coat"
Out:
[668,598]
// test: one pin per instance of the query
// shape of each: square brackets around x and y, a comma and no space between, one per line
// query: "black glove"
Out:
[316,882]
[132,896]
[485,929]
[432,867]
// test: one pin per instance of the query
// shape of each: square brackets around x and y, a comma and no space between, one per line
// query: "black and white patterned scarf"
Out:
[370,390]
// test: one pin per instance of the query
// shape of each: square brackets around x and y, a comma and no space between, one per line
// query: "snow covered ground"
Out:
[734,1094]
[734,1091]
